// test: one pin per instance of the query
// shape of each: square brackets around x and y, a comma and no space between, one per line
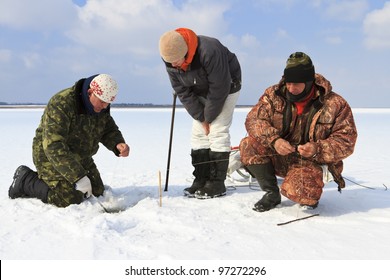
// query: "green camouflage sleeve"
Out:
[56,124]
[112,136]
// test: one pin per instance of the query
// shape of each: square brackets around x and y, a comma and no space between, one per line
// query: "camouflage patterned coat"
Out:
[66,140]
[328,121]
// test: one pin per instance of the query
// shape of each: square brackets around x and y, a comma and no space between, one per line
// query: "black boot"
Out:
[265,175]
[201,163]
[27,184]
[219,162]
[16,189]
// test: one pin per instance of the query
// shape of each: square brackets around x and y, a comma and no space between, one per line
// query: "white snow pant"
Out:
[218,139]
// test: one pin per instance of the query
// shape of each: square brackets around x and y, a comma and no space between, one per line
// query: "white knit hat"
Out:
[104,87]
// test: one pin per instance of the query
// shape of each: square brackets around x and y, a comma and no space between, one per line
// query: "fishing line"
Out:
[301,158]
[371,188]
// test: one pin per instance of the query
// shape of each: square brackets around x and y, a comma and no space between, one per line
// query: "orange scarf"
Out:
[192,43]
[301,105]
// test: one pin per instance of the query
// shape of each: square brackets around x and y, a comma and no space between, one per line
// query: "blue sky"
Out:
[47,45]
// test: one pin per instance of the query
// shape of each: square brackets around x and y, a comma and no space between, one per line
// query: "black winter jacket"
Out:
[213,74]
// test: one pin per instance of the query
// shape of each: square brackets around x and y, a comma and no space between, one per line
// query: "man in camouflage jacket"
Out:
[297,128]
[73,124]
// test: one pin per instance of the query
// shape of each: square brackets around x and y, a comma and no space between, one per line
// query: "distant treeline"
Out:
[113,105]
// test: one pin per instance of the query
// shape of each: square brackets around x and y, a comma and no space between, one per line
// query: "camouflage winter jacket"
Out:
[68,137]
[329,123]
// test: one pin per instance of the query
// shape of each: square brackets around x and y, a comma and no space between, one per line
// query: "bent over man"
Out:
[206,77]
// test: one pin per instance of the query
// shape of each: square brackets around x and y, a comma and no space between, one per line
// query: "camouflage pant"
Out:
[62,193]
[302,182]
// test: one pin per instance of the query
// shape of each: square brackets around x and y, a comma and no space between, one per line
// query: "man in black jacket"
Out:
[206,77]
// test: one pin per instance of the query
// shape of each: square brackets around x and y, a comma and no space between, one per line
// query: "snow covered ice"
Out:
[353,225]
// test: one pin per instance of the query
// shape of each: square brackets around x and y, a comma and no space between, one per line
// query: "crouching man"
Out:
[73,124]
[298,126]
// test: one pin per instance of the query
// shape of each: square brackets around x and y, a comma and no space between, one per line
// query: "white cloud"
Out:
[134,27]
[271,4]
[37,15]
[31,60]
[282,34]
[333,40]
[345,10]
[377,28]
[316,3]
[5,55]
[249,41]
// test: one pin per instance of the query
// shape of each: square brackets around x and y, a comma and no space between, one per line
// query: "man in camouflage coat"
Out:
[297,128]
[73,124]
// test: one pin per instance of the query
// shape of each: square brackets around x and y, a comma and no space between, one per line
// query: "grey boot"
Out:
[27,184]
[265,175]
[219,162]
[201,163]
